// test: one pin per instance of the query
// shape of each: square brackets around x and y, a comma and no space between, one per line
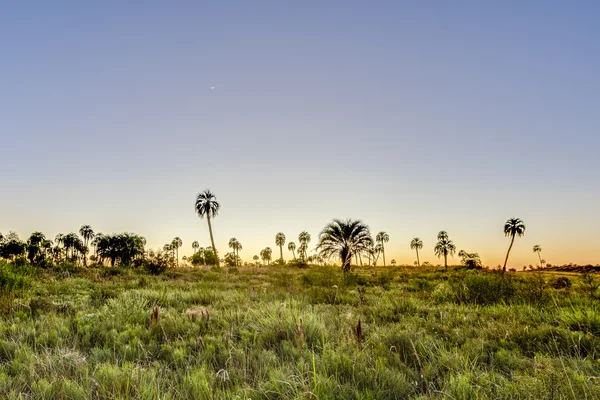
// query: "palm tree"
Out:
[393,262]
[417,244]
[382,238]
[265,254]
[304,239]
[195,246]
[280,241]
[87,233]
[177,243]
[236,246]
[513,227]
[256,258]
[208,206]
[444,246]
[292,248]
[343,239]
[538,249]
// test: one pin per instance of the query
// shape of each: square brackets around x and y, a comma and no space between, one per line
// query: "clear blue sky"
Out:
[414,116]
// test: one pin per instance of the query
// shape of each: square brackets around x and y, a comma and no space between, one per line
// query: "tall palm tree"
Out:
[207,207]
[177,243]
[195,246]
[444,246]
[280,241]
[304,239]
[417,244]
[343,239]
[382,238]
[513,227]
[87,233]
[538,249]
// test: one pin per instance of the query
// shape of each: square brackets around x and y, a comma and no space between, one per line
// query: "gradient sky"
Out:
[413,116]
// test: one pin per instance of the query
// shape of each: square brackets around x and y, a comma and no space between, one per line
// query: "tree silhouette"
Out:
[236,246]
[195,246]
[87,233]
[444,247]
[292,248]
[304,239]
[343,239]
[417,244]
[382,238]
[538,249]
[177,243]
[393,262]
[513,227]
[256,258]
[266,254]
[280,241]
[207,207]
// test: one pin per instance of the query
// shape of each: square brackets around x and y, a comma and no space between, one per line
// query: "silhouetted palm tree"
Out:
[444,246]
[87,233]
[292,248]
[538,249]
[265,254]
[343,239]
[393,262]
[304,239]
[177,243]
[513,227]
[417,244]
[207,207]
[236,246]
[382,238]
[280,241]
[195,246]
[256,258]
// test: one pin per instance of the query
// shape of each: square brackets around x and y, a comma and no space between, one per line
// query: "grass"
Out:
[285,333]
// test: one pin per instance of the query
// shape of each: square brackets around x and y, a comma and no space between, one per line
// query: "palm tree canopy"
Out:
[443,247]
[514,227]
[195,244]
[86,232]
[291,246]
[280,239]
[177,242]
[537,248]
[442,235]
[416,243]
[343,239]
[207,204]
[304,237]
[232,242]
[382,237]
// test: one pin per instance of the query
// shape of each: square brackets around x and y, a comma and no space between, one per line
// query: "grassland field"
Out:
[289,333]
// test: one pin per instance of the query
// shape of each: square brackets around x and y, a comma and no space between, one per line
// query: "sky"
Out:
[413,116]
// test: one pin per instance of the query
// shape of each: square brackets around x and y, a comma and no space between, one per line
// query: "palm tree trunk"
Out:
[418,262]
[446,260]
[177,249]
[383,252]
[294,254]
[212,240]
[540,257]
[507,253]
[281,252]
[360,258]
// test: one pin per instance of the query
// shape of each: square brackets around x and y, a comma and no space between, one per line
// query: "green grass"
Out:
[285,333]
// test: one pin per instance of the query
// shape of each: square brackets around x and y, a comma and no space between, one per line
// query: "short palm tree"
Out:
[207,206]
[417,244]
[381,238]
[280,241]
[195,246]
[513,227]
[177,243]
[343,239]
[538,249]
[236,246]
[393,262]
[256,258]
[292,248]
[444,246]
[266,254]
